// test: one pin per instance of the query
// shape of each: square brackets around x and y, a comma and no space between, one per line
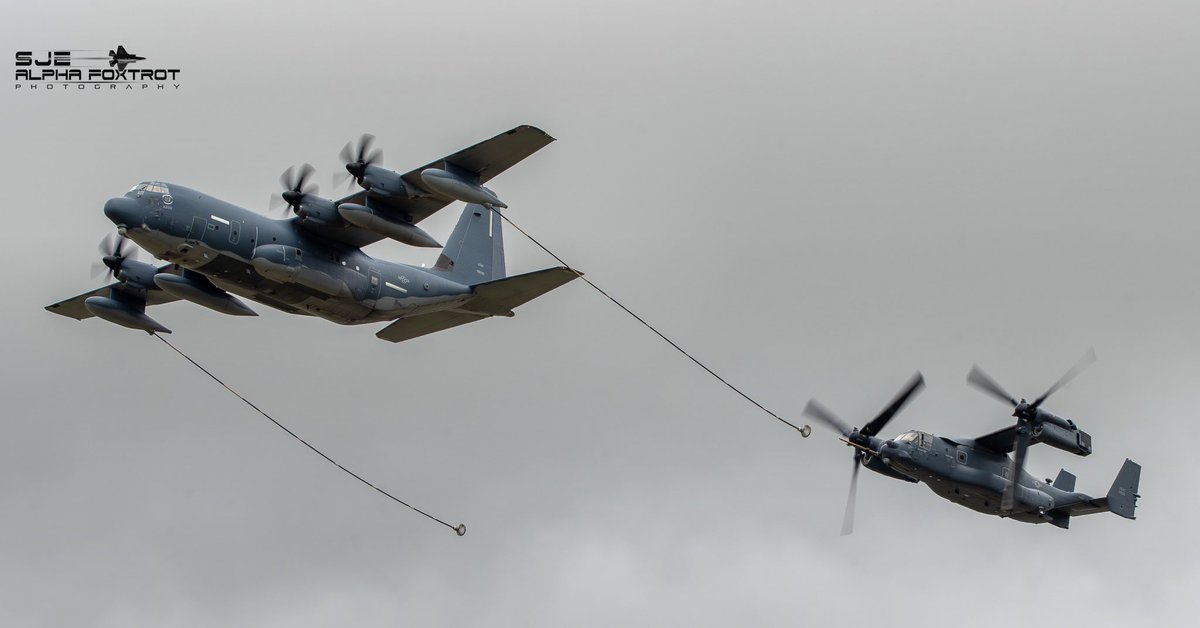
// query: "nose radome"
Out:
[123,211]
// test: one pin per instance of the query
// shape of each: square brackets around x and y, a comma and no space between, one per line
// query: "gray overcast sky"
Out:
[815,198]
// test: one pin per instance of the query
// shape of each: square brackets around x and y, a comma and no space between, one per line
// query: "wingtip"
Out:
[533,128]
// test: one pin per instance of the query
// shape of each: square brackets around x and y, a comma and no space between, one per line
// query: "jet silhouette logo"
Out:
[91,70]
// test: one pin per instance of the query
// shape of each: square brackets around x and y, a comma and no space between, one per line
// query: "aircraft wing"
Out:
[73,307]
[1000,441]
[485,159]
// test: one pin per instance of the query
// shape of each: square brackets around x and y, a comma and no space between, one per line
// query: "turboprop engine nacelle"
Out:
[285,264]
[1070,439]
[459,187]
[139,274]
[363,217]
[202,293]
[383,182]
[123,314]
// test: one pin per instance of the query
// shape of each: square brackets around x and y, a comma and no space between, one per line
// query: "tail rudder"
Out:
[1122,497]
[475,251]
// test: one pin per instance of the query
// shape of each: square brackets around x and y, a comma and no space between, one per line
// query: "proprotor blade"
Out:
[1082,364]
[822,414]
[915,383]
[848,518]
[988,385]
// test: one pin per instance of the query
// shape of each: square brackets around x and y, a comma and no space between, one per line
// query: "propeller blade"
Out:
[114,250]
[848,518]
[915,383]
[117,246]
[342,179]
[296,186]
[285,179]
[306,171]
[1020,446]
[988,385]
[364,146]
[822,414]
[98,269]
[356,157]
[1082,364]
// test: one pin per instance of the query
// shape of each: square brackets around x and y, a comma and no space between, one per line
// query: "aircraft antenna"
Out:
[460,529]
[804,430]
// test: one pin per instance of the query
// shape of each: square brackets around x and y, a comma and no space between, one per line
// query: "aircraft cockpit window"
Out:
[157,188]
[920,439]
[138,187]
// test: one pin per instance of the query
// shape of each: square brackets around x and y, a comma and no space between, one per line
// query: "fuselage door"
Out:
[235,231]
[196,231]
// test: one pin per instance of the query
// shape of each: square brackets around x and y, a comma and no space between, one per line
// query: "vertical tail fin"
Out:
[1122,497]
[475,251]
[1065,481]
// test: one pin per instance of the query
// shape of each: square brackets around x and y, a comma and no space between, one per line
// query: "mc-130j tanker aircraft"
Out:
[312,263]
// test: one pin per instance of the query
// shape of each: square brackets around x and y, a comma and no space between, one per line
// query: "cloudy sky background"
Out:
[817,199]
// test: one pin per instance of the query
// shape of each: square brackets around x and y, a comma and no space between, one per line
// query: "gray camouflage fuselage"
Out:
[976,477]
[248,255]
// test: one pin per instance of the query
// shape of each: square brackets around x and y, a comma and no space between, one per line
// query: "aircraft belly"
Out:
[237,276]
[390,308]
[976,498]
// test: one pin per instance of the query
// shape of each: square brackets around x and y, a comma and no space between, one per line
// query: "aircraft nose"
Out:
[893,453]
[123,211]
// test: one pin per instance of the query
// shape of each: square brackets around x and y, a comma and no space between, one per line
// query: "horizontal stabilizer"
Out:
[409,328]
[1121,498]
[494,298]
[499,297]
